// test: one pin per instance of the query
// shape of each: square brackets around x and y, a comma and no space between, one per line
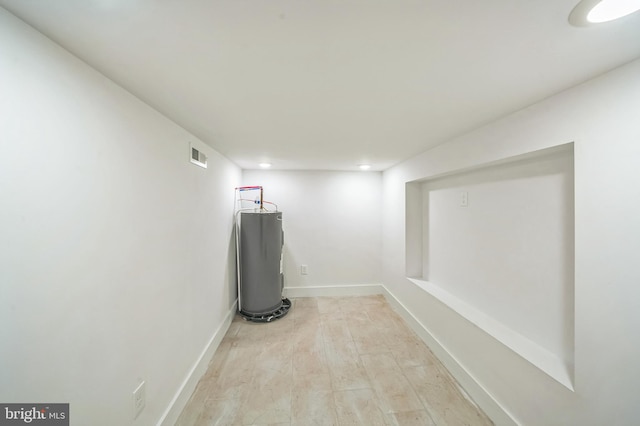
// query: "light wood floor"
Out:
[330,361]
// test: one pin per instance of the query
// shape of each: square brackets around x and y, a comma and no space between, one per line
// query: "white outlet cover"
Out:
[139,399]
[464,199]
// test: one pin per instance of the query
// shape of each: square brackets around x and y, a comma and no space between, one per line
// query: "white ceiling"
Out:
[329,84]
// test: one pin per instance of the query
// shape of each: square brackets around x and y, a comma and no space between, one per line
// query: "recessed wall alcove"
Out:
[495,242]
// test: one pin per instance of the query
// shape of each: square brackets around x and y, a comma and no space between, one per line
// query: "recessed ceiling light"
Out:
[264,165]
[608,10]
[589,12]
[364,166]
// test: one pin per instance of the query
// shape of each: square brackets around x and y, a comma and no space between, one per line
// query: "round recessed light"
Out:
[589,12]
[608,10]
[364,166]
[264,165]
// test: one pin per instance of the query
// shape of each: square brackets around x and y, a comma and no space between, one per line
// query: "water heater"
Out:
[260,278]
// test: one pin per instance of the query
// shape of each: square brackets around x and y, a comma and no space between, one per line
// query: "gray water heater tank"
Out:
[261,279]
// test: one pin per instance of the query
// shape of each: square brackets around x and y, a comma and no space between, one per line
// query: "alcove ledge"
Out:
[546,361]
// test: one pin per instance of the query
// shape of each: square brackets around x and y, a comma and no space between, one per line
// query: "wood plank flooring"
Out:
[330,361]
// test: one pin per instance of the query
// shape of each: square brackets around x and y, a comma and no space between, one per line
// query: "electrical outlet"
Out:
[304,270]
[139,399]
[464,199]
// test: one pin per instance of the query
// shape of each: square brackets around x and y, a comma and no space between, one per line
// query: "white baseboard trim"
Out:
[334,290]
[179,401]
[470,385]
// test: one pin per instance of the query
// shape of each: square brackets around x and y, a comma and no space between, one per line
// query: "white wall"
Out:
[601,118]
[114,250]
[332,224]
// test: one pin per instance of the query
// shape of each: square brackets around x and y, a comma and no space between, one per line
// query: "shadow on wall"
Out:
[291,277]
[231,271]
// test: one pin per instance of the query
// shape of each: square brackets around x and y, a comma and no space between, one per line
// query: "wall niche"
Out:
[495,242]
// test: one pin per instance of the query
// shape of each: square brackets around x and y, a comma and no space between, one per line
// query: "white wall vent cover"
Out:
[198,157]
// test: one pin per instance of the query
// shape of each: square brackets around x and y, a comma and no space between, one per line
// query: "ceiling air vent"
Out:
[198,157]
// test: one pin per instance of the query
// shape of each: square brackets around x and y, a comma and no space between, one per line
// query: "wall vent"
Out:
[198,157]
